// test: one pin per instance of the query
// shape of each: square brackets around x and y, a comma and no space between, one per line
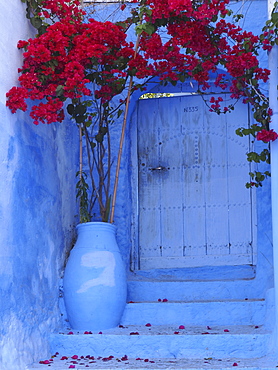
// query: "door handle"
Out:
[158,168]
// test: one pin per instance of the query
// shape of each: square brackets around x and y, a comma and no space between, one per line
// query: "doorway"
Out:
[193,208]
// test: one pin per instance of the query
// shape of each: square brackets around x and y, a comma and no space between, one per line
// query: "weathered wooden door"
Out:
[194,209]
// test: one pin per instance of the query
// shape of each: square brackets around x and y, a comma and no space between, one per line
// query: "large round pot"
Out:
[95,285]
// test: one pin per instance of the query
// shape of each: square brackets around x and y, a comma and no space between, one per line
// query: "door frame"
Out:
[186,88]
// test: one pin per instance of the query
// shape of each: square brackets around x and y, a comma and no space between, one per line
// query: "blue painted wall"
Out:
[37,209]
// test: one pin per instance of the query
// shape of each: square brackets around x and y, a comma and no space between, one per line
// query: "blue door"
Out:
[194,209]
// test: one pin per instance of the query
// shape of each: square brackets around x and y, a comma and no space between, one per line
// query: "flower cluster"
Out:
[69,56]
[267,135]
[60,64]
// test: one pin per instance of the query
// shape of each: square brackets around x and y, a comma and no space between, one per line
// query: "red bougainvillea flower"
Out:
[148,324]
[22,44]
[16,99]
[226,330]
[134,333]
[125,358]
[181,327]
[74,357]
[176,332]
[46,362]
[64,358]
[235,364]
[267,135]
[165,300]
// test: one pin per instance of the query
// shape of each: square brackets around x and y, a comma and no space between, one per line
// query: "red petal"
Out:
[235,364]
[181,327]
[226,330]
[148,324]
[106,359]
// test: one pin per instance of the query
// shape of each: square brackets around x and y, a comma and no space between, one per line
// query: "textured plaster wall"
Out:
[37,209]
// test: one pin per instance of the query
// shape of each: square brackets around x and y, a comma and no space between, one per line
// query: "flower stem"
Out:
[113,203]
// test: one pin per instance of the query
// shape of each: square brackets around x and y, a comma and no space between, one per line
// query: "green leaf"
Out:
[149,28]
[274,17]
[60,90]
[80,119]
[239,132]
[103,130]
[182,78]
[80,109]
[43,29]
[119,113]
[93,145]
[36,22]
[139,29]
[99,137]
[70,109]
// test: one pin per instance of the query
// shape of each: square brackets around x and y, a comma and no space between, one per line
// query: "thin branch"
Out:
[122,138]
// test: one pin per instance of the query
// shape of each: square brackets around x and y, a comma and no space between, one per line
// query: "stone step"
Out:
[231,312]
[142,289]
[167,342]
[59,362]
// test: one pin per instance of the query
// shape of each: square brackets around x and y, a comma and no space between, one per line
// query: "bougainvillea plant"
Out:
[89,68]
